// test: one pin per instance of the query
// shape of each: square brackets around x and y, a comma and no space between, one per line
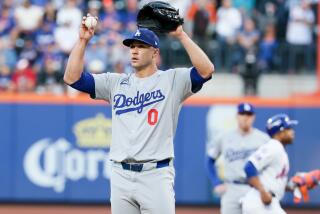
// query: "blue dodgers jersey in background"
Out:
[59,153]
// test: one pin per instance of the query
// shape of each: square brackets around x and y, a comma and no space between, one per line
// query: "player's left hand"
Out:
[219,190]
[266,197]
[178,33]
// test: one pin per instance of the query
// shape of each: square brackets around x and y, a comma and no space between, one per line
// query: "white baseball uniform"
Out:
[144,120]
[272,163]
[234,148]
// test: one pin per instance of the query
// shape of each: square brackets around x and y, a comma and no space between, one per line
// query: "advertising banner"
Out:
[60,152]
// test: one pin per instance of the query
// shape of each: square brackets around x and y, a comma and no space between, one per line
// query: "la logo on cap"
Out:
[137,33]
[247,107]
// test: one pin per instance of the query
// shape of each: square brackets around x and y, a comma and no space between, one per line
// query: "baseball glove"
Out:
[301,183]
[159,17]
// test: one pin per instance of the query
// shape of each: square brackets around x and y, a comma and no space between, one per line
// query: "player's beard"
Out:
[287,139]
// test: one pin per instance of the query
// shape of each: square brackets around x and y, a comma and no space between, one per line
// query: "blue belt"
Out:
[137,167]
[239,182]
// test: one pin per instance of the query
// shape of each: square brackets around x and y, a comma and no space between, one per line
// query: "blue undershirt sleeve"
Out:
[211,171]
[85,84]
[250,170]
[197,80]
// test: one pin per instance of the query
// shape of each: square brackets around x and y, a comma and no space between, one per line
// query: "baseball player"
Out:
[267,169]
[145,108]
[234,147]
[301,183]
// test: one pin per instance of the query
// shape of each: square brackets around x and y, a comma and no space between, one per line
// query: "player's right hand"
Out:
[266,197]
[86,33]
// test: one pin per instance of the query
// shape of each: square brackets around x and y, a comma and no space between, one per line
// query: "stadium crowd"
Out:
[246,37]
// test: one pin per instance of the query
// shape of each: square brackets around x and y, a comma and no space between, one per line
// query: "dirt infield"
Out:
[72,209]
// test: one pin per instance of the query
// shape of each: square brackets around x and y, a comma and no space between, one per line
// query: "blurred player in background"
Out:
[234,147]
[301,183]
[267,169]
[145,107]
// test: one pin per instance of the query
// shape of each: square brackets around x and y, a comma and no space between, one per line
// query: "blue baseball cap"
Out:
[245,108]
[143,35]
[278,123]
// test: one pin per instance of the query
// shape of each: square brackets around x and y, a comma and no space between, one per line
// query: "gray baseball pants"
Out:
[147,192]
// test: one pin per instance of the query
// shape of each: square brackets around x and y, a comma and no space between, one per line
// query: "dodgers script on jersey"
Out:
[235,148]
[144,112]
[272,162]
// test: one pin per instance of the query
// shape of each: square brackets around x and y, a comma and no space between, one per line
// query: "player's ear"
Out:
[156,52]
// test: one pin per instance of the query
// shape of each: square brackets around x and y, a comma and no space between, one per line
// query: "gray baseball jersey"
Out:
[144,112]
[235,148]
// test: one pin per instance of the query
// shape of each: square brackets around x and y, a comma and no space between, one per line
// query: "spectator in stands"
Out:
[247,39]
[28,17]
[49,31]
[267,15]
[69,19]
[24,77]
[267,56]
[70,15]
[246,7]
[282,20]
[7,3]
[53,52]
[6,21]
[202,18]
[50,78]
[299,35]
[245,56]
[260,6]
[29,51]
[94,7]
[110,18]
[118,54]
[45,34]
[5,77]
[50,14]
[58,3]
[229,21]
[96,52]
[8,55]
[45,37]
[129,16]
[273,12]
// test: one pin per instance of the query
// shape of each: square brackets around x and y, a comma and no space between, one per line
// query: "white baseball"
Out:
[90,22]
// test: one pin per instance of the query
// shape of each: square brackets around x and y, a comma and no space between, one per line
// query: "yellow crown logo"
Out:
[93,132]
